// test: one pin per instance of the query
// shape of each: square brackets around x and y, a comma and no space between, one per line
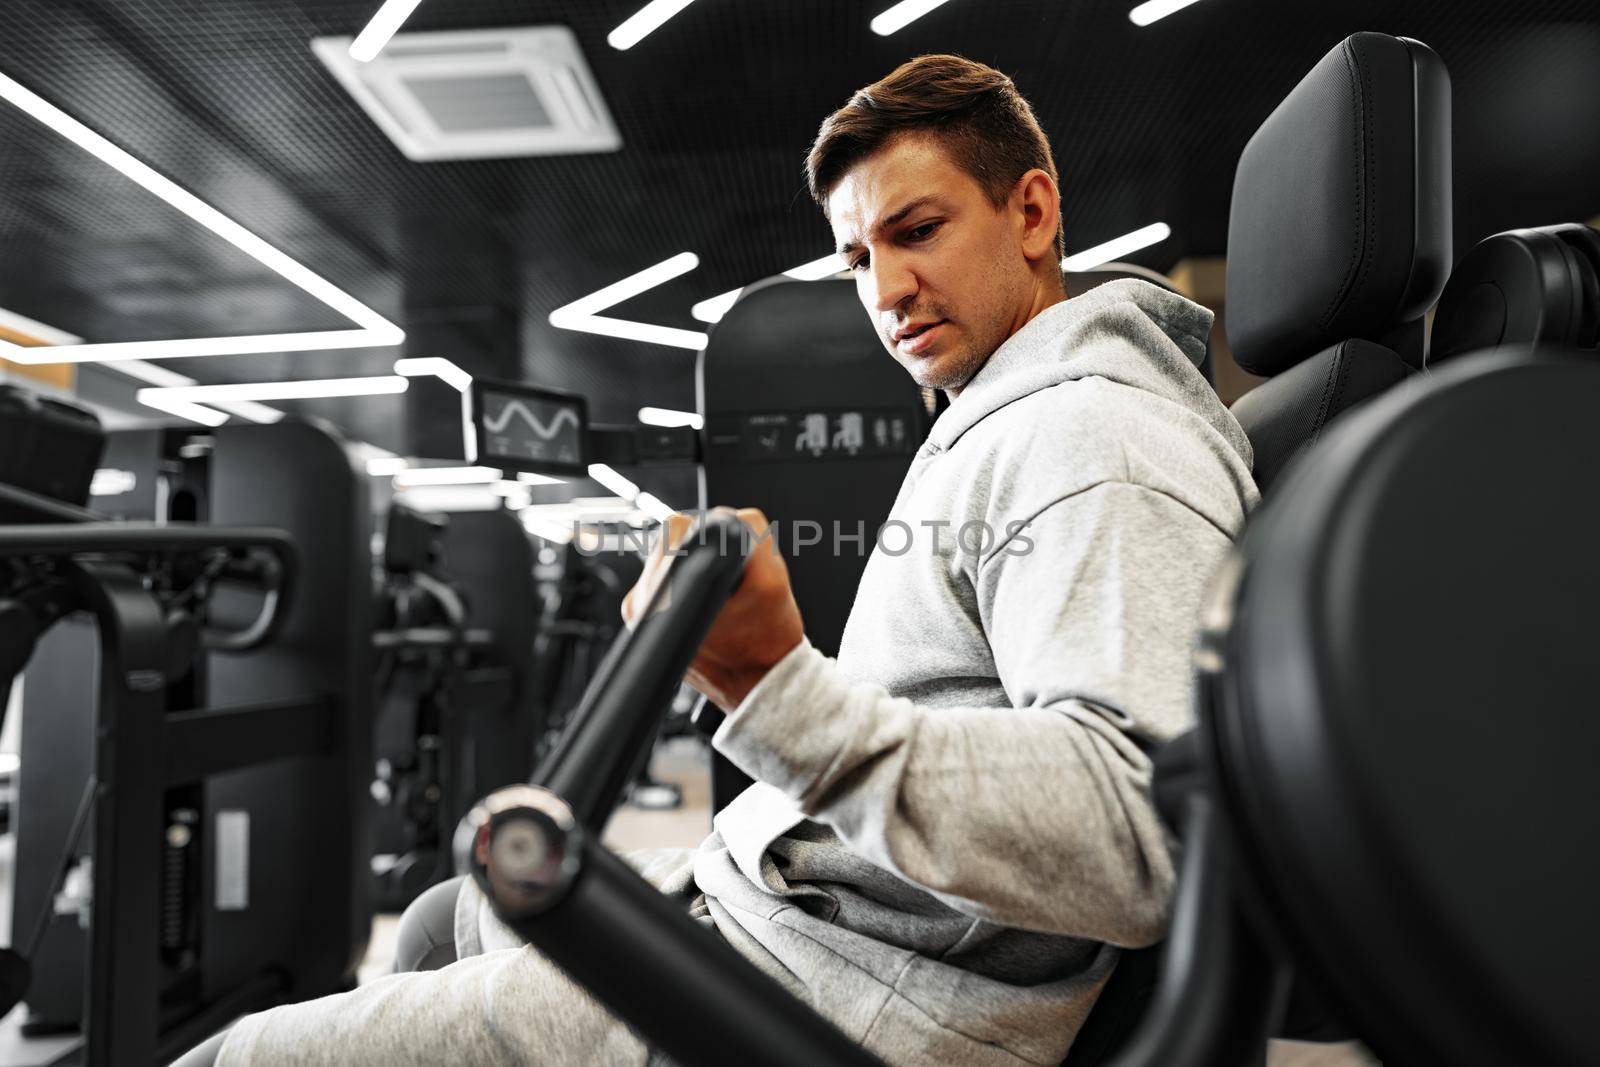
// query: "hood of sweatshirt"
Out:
[1127,331]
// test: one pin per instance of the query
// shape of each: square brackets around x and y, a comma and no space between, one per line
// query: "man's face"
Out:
[938,267]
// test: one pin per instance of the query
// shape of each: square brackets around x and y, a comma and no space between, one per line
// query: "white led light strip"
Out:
[902,15]
[644,22]
[144,372]
[374,331]
[1117,247]
[11,322]
[584,313]
[1156,10]
[670,417]
[436,366]
[326,387]
[178,395]
[713,308]
[383,25]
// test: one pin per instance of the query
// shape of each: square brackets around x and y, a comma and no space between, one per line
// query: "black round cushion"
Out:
[1408,720]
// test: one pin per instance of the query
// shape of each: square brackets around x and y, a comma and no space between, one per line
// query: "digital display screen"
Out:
[811,435]
[523,427]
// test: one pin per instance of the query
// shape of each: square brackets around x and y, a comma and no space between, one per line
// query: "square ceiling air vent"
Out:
[479,94]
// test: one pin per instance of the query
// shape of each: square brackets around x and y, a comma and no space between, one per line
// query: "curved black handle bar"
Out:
[680,986]
[535,852]
[276,578]
[590,766]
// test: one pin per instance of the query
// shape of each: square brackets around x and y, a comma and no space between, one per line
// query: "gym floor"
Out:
[683,762]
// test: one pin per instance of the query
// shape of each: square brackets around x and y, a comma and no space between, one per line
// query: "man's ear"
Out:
[1038,206]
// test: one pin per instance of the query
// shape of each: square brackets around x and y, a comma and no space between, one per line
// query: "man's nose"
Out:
[893,281]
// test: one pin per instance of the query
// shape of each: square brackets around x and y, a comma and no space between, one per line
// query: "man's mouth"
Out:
[915,337]
[914,329]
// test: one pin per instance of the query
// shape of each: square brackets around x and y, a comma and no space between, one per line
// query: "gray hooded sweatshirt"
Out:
[951,834]
[951,831]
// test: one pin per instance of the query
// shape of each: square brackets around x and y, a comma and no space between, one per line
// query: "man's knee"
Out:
[203,1054]
[426,940]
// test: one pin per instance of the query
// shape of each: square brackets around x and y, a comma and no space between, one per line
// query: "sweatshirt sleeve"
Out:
[1036,815]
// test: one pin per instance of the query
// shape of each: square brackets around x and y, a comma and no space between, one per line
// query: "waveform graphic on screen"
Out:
[564,417]
[531,430]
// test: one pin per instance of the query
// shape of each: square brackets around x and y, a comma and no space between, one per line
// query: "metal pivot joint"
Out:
[527,848]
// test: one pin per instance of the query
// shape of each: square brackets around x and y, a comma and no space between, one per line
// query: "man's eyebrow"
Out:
[889,220]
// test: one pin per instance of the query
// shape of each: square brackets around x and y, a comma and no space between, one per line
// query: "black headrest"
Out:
[1522,287]
[1340,223]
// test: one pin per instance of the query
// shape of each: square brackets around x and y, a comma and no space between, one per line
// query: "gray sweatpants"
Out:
[501,1002]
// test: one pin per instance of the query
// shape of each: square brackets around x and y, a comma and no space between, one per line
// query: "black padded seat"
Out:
[1404,721]
[1283,421]
[1339,230]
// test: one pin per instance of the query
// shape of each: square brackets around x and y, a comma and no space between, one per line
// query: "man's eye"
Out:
[923,232]
[859,265]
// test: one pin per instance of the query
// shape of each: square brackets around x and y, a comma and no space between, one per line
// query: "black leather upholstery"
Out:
[1522,287]
[1340,222]
[1287,414]
[1339,239]
[1406,735]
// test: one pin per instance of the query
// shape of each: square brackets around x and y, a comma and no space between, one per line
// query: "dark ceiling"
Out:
[715,110]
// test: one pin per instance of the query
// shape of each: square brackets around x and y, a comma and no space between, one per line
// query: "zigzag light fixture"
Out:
[584,313]
[373,330]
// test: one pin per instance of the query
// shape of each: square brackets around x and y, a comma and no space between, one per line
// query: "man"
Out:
[951,835]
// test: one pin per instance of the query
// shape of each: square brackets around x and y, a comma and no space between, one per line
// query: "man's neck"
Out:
[1044,294]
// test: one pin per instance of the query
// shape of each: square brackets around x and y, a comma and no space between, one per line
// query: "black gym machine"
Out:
[454,632]
[196,732]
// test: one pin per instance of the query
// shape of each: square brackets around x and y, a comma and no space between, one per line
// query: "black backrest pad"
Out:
[1288,413]
[1340,221]
[1411,735]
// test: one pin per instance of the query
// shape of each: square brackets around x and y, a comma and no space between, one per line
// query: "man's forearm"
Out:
[1035,817]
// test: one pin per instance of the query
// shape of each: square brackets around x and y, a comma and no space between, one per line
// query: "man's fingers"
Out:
[761,539]
[678,528]
[670,536]
[754,518]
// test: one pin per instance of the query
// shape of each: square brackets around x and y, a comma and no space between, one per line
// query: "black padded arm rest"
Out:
[1288,413]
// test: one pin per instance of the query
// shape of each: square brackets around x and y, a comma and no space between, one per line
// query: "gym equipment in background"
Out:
[195,738]
[454,715]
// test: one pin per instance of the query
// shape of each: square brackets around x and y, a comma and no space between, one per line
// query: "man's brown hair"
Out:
[975,111]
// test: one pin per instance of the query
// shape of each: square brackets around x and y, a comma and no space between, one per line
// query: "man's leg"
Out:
[502,1006]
